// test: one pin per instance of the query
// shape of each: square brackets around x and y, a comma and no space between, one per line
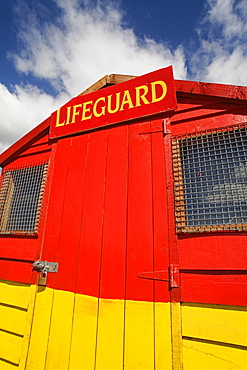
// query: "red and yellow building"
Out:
[135,193]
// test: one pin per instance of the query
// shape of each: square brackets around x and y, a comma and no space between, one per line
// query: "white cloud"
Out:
[230,15]
[222,56]
[22,109]
[88,39]
[84,43]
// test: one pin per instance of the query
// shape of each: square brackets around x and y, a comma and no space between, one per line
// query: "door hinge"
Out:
[171,275]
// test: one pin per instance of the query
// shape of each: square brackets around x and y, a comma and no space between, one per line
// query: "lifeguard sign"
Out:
[143,96]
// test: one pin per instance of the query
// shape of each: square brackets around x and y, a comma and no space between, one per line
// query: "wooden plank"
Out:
[60,335]
[138,337]
[18,248]
[6,365]
[176,337]
[69,238]
[226,324]
[89,258]
[83,343]
[162,314]
[195,115]
[12,319]
[113,257]
[110,334]
[32,159]
[212,356]
[10,347]
[15,322]
[160,213]
[40,329]
[212,89]
[15,294]
[225,288]
[140,215]
[112,79]
[116,78]
[58,350]
[92,217]
[162,336]
[16,271]
[36,148]
[28,327]
[225,251]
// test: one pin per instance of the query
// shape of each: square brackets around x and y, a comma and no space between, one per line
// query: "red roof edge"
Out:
[24,141]
[212,89]
[182,86]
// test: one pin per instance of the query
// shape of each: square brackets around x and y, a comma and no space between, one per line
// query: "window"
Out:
[21,199]
[210,180]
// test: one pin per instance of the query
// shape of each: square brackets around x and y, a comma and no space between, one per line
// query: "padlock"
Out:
[42,279]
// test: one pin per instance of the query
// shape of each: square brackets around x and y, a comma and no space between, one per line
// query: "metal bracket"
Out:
[155,275]
[171,275]
[45,266]
[166,126]
[174,276]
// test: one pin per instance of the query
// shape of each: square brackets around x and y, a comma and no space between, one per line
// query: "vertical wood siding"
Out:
[16,311]
[212,265]
[215,337]
[103,232]
[109,215]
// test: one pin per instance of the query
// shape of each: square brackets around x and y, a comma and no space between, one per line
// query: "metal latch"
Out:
[44,267]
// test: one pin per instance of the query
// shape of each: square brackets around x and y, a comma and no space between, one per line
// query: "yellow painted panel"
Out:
[40,329]
[163,354]
[12,319]
[219,323]
[60,330]
[10,347]
[205,356]
[139,335]
[110,334]
[28,326]
[176,332]
[72,331]
[15,294]
[84,333]
[7,365]
[15,322]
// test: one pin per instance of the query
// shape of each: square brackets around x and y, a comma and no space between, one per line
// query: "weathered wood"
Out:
[106,81]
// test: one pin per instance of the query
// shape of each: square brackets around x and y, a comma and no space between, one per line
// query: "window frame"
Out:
[7,193]
[181,223]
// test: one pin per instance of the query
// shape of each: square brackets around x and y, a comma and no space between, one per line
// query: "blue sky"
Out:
[52,50]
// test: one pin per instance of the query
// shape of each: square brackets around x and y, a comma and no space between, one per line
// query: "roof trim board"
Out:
[237,93]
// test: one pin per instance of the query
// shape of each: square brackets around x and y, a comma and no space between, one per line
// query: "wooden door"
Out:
[210,188]
[106,226]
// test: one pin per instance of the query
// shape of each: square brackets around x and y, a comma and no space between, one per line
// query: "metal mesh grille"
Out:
[21,199]
[210,172]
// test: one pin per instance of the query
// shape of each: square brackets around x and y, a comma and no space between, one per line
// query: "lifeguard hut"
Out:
[123,221]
